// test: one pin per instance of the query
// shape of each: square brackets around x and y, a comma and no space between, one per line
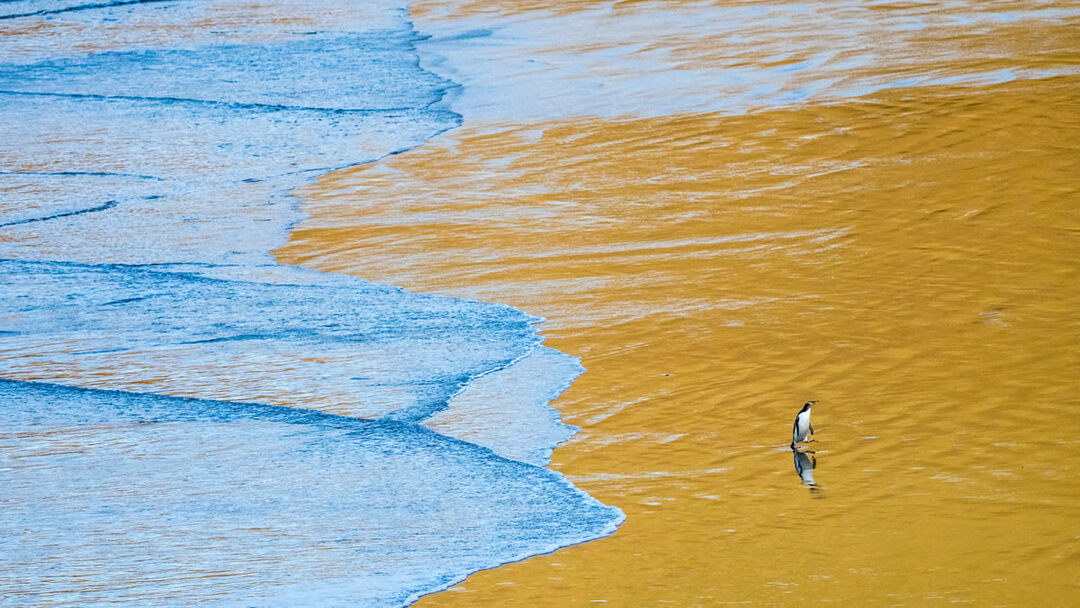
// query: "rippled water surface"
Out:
[727,209]
[117,497]
[723,208]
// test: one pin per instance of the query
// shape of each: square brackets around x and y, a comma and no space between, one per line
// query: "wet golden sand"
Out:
[909,259]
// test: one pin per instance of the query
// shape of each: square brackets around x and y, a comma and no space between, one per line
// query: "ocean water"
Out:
[183,419]
[357,349]
[118,497]
[189,150]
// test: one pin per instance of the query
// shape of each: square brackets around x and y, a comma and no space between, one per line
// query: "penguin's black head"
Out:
[807,405]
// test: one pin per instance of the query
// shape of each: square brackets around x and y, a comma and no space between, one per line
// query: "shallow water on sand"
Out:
[904,253]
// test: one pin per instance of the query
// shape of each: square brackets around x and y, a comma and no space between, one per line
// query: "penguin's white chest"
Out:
[802,426]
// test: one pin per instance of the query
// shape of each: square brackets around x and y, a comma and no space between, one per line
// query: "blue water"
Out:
[196,149]
[244,433]
[119,497]
[356,348]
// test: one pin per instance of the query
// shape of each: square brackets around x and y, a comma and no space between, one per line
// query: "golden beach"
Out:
[908,257]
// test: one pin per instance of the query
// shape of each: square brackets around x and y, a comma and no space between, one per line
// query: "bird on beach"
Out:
[802,426]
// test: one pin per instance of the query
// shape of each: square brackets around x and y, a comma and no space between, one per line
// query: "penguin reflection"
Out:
[805,463]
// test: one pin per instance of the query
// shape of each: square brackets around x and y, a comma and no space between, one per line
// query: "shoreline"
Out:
[797,276]
[167,296]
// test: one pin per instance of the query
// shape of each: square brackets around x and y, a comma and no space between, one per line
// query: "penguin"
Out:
[802,426]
